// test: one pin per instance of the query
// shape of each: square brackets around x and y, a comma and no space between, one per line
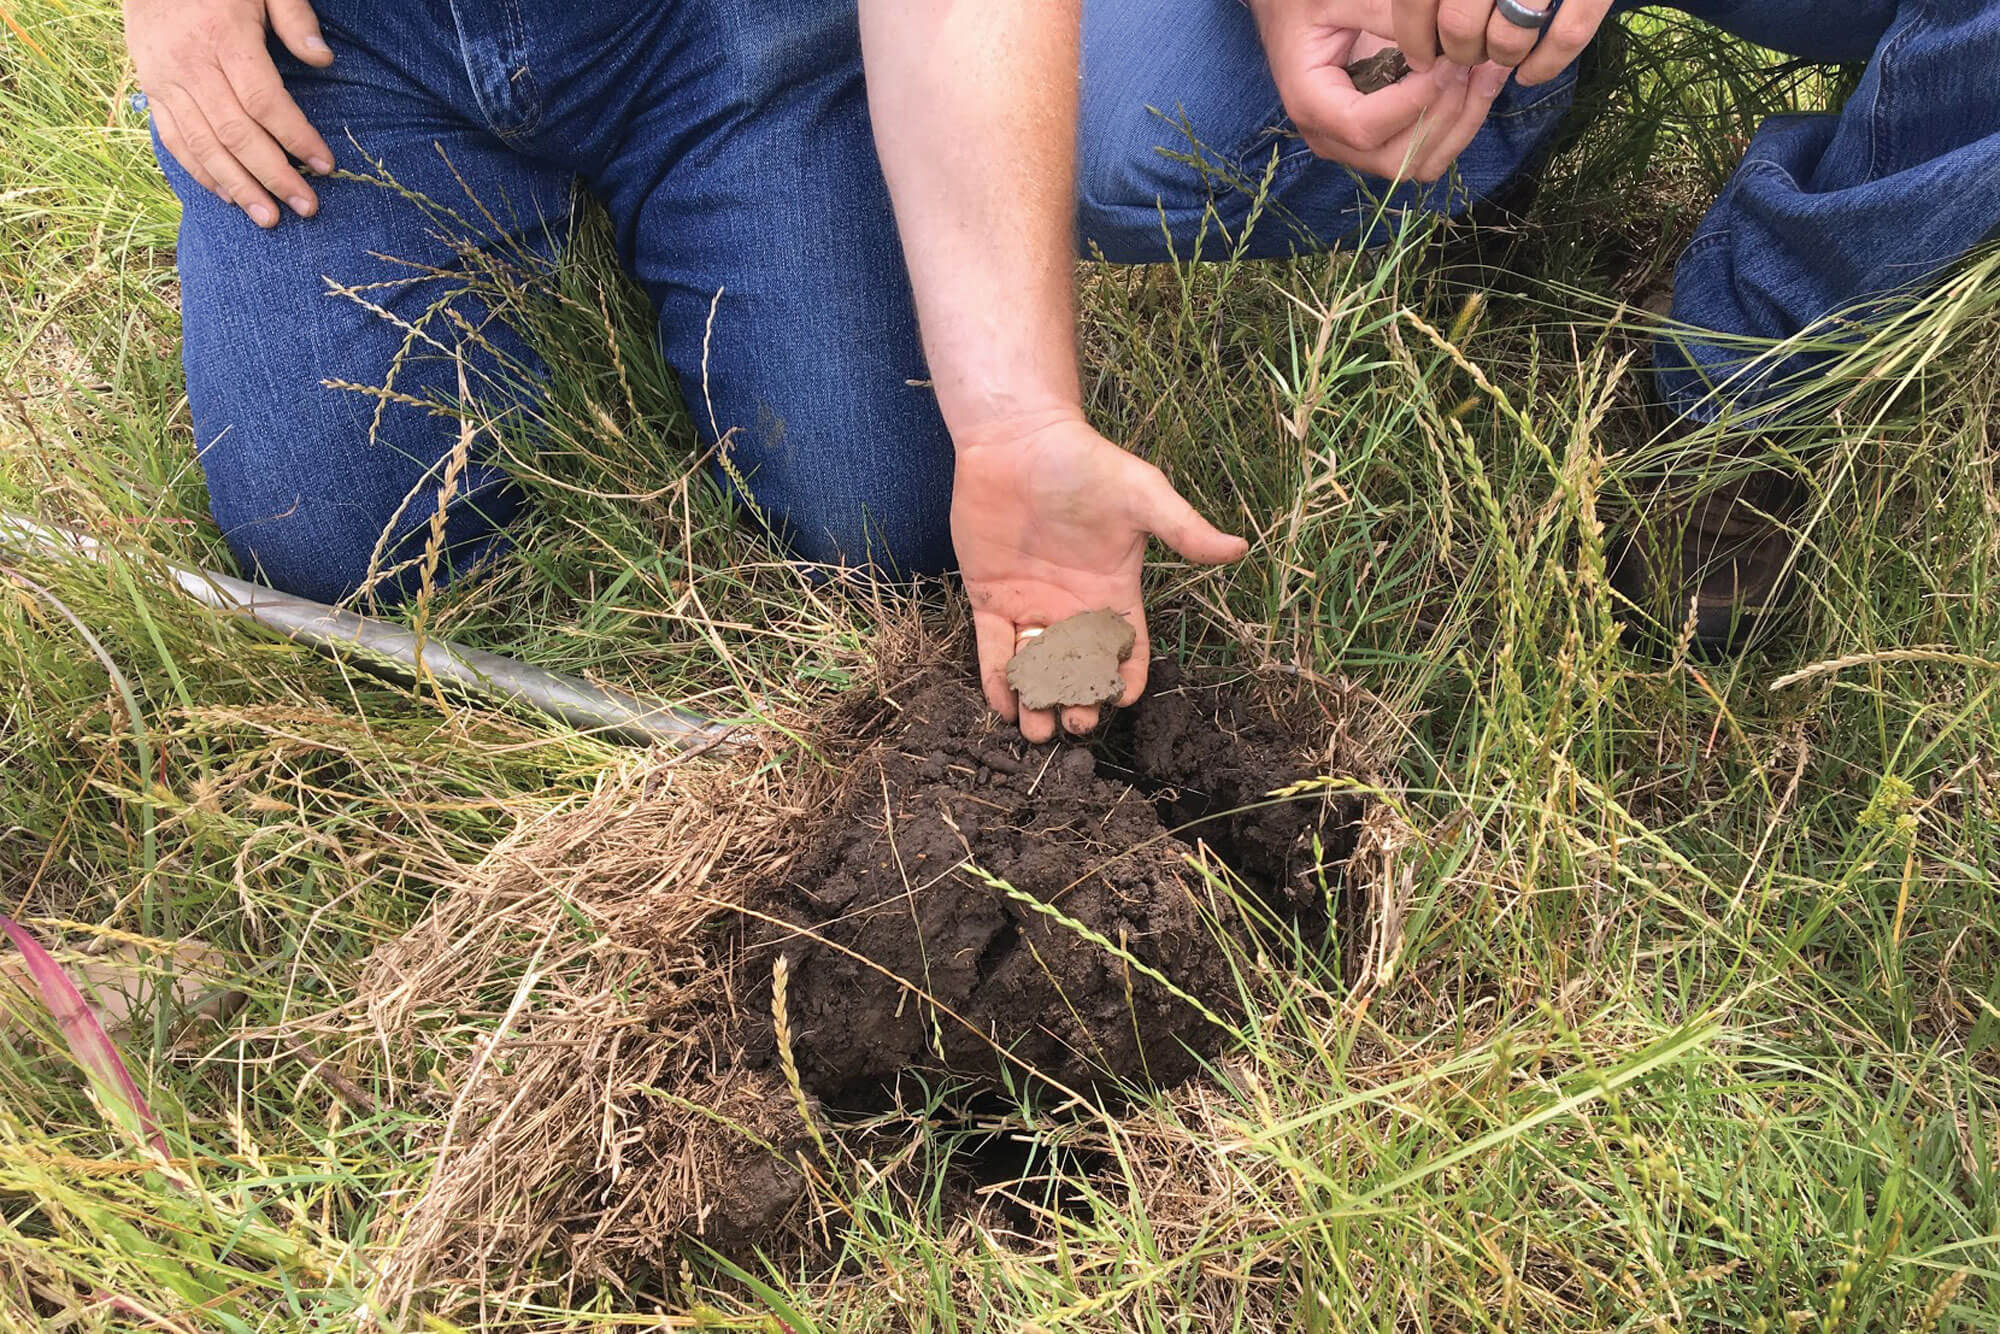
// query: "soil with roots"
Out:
[952,907]
[1006,915]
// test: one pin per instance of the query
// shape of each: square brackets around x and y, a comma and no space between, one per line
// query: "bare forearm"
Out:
[974,106]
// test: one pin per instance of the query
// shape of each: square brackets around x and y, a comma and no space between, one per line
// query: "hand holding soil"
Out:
[1052,521]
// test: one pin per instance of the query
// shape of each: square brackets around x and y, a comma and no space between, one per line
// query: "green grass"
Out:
[1693,1014]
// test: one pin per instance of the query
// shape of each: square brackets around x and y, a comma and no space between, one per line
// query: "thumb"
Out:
[298,28]
[1164,514]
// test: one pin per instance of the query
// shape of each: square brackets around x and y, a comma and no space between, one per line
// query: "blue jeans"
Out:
[730,143]
[1825,212]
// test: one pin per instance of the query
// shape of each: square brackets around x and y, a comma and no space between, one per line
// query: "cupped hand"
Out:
[1050,521]
[1471,31]
[218,102]
[1411,130]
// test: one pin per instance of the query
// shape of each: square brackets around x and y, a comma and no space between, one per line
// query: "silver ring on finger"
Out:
[1521,16]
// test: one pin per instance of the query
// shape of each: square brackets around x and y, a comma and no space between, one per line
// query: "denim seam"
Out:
[527,93]
[1880,113]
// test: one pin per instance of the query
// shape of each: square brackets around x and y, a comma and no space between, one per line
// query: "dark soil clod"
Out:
[1374,73]
[901,960]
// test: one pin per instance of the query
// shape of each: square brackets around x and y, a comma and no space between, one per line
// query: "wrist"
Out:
[988,425]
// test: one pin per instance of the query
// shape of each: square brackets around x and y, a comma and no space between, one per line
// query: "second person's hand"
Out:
[1470,31]
[1410,131]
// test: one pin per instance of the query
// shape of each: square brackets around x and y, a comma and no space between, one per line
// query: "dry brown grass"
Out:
[604,1114]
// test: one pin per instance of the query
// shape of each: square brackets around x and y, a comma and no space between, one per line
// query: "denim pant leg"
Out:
[1182,125]
[746,195]
[315,487]
[1839,212]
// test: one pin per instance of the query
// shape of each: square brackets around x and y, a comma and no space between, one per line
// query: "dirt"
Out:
[743,1159]
[1075,661]
[902,962]
[1374,73]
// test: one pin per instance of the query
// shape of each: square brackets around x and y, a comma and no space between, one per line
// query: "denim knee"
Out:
[874,500]
[327,549]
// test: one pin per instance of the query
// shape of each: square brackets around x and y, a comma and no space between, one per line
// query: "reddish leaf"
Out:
[91,1047]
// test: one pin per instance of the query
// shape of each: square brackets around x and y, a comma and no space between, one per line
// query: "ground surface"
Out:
[1675,985]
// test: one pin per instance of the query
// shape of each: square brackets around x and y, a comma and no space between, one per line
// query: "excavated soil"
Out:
[1098,964]
[651,1095]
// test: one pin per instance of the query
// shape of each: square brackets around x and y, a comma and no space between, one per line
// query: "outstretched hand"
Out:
[1053,521]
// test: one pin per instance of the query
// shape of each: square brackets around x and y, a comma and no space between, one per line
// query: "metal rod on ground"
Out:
[375,644]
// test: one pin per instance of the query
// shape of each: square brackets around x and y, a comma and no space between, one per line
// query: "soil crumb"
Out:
[1095,949]
[1075,661]
[1373,74]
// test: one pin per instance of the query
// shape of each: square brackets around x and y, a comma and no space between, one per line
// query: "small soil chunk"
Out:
[1373,74]
[902,961]
[1075,661]
[742,1158]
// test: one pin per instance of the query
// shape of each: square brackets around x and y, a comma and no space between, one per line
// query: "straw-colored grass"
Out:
[1678,994]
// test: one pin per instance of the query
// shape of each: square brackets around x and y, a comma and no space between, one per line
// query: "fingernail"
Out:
[1455,74]
[1492,78]
[263,215]
[317,43]
[321,166]
[302,205]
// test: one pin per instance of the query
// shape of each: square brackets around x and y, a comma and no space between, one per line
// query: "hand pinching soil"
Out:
[1385,67]
[1073,662]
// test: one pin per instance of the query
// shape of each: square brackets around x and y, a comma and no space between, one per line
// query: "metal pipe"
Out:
[391,650]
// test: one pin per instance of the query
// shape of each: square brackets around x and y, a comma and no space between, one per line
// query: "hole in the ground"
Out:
[1008,1168]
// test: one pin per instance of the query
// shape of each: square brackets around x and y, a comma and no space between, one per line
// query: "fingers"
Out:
[223,110]
[218,167]
[261,94]
[298,28]
[1080,720]
[1038,726]
[1415,30]
[1346,126]
[1443,148]
[994,635]
[1163,513]
[1509,43]
[1461,30]
[1563,40]
[251,124]
[170,136]
[1336,120]
[1133,670]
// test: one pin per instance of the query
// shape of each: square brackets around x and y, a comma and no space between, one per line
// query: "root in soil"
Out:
[950,903]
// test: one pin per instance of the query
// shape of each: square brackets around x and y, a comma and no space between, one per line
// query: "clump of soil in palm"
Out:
[1374,73]
[1074,661]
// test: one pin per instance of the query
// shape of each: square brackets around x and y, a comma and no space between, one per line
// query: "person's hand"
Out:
[221,108]
[1469,31]
[1050,521]
[1412,130]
